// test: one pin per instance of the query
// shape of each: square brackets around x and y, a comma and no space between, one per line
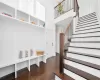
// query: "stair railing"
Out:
[64,41]
[65,6]
[67,36]
[76,8]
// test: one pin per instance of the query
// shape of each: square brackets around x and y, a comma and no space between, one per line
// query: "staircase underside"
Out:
[64,16]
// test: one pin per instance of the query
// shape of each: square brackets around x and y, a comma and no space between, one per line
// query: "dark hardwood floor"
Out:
[44,72]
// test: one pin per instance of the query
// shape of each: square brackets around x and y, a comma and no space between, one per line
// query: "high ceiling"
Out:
[48,2]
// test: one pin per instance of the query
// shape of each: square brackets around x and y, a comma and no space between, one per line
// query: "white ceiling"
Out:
[47,3]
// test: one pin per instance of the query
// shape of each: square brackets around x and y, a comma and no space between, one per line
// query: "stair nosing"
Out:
[88,14]
[81,73]
[89,55]
[87,21]
[83,63]
[88,18]
[85,24]
[85,47]
[91,15]
[87,29]
[68,76]
[85,41]
[61,76]
[92,20]
[84,37]
[88,26]
[86,32]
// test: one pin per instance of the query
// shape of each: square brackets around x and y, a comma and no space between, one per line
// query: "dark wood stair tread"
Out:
[89,55]
[87,19]
[86,29]
[84,47]
[88,26]
[87,32]
[85,37]
[95,66]
[88,15]
[81,73]
[63,76]
[85,24]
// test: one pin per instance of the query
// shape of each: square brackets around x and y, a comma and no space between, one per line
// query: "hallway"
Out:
[44,72]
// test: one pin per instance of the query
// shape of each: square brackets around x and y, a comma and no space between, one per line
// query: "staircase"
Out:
[82,61]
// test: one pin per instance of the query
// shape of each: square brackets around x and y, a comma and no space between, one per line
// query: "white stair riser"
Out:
[86,39]
[88,16]
[84,58]
[85,26]
[57,78]
[80,24]
[73,75]
[85,51]
[88,34]
[87,20]
[83,68]
[94,14]
[90,45]
[90,30]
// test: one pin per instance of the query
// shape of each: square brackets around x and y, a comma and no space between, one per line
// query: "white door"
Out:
[50,43]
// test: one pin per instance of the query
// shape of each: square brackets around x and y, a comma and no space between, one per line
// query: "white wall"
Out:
[26,41]
[50,26]
[61,28]
[16,36]
[98,8]
[58,31]
[50,31]
[87,6]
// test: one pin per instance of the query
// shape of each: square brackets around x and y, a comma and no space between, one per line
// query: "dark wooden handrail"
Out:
[75,7]
[59,4]
[68,27]
[75,3]
[62,35]
[61,52]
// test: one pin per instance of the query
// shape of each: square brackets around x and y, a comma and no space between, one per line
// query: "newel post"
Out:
[61,52]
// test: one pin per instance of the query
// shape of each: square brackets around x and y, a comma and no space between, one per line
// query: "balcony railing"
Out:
[65,6]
